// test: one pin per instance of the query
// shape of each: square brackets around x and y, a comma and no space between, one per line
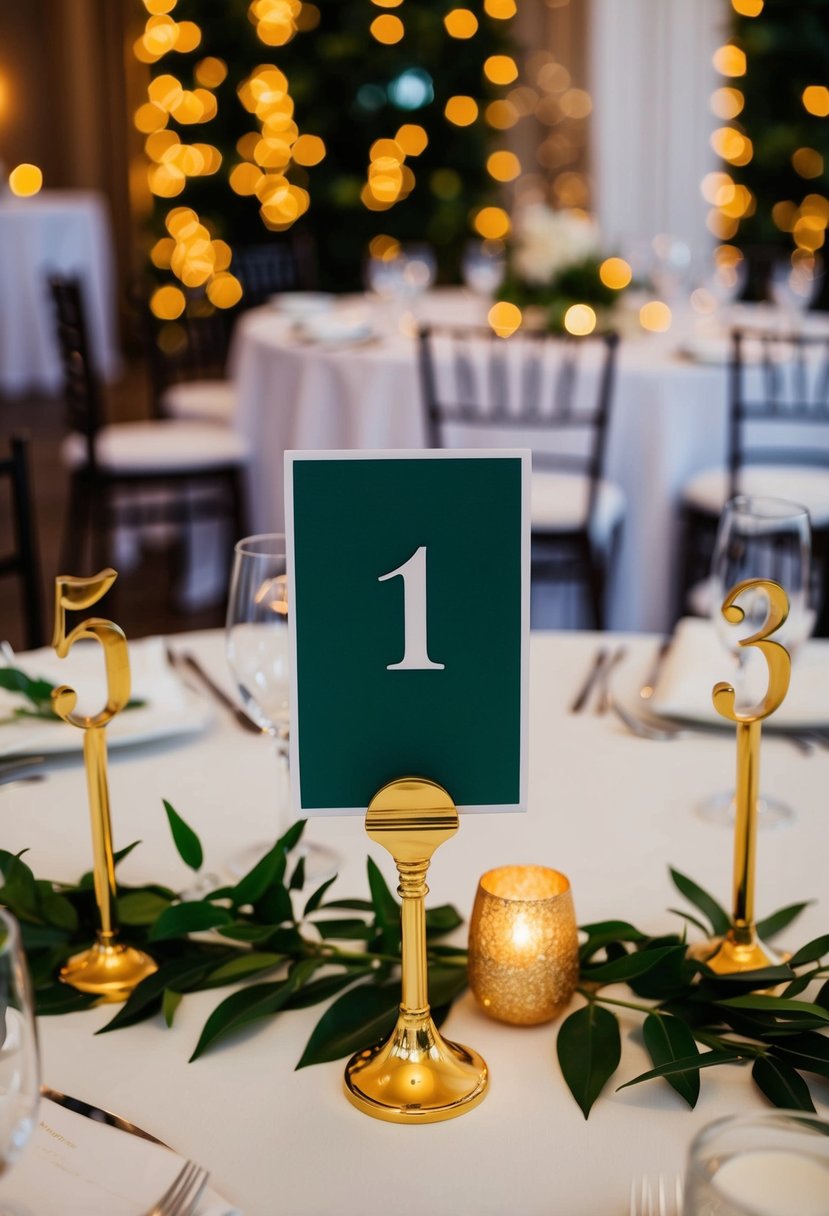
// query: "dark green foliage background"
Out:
[326,67]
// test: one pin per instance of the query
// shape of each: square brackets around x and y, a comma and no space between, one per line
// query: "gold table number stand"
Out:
[741,948]
[417,1076]
[109,969]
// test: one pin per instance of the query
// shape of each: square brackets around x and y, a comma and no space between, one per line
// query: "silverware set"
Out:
[184,660]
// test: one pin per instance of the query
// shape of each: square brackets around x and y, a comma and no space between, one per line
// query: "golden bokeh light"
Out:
[724,227]
[387,29]
[815,100]
[387,3]
[730,60]
[224,290]
[412,139]
[504,318]
[165,91]
[503,166]
[166,180]
[807,162]
[461,110]
[149,117]
[162,252]
[500,69]
[717,188]
[728,255]
[615,273]
[580,320]
[492,223]
[154,7]
[308,150]
[500,10]
[210,72]
[245,178]
[655,316]
[167,303]
[25,180]
[160,35]
[501,114]
[386,148]
[784,214]
[461,23]
[748,8]
[159,142]
[188,37]
[384,247]
[727,102]
[732,145]
[576,103]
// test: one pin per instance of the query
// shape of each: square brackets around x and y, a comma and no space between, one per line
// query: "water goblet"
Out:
[19,1059]
[258,653]
[793,285]
[483,267]
[769,538]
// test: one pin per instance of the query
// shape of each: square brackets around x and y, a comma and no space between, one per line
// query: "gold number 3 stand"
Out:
[741,948]
[109,969]
[417,1076]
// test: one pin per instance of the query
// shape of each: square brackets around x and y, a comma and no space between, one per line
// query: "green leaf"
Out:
[141,907]
[246,931]
[797,986]
[692,920]
[349,905]
[601,933]
[186,918]
[627,968]
[361,1017]
[707,1060]
[668,1040]
[777,1004]
[120,854]
[298,877]
[441,920]
[344,930]
[58,911]
[716,915]
[781,1084]
[822,997]
[20,889]
[249,963]
[811,952]
[671,975]
[145,1000]
[269,870]
[316,991]
[770,926]
[38,692]
[60,998]
[250,1004]
[386,907]
[808,1051]
[589,1049]
[446,982]
[185,839]
[290,839]
[715,984]
[169,1004]
[316,899]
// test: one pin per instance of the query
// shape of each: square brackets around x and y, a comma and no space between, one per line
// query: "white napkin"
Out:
[169,708]
[340,327]
[698,660]
[78,1167]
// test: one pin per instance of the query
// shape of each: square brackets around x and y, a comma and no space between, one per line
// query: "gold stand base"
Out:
[108,970]
[417,1076]
[731,957]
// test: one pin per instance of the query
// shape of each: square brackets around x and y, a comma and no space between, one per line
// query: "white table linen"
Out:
[55,232]
[668,421]
[610,810]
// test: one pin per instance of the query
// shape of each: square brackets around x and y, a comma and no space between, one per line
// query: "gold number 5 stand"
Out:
[741,948]
[109,969]
[417,1076]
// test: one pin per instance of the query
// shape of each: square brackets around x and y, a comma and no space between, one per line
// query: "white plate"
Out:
[170,708]
[301,304]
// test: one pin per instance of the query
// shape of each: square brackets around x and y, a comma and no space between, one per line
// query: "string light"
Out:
[25,180]
[387,29]
[816,100]
[492,223]
[615,273]
[504,318]
[461,23]
[461,110]
[580,320]
[655,316]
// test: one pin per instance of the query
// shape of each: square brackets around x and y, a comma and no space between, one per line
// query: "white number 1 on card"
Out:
[415,648]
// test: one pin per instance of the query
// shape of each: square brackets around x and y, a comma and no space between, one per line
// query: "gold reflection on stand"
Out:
[741,948]
[108,969]
[417,1076]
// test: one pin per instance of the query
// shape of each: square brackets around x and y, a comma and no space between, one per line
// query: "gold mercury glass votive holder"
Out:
[523,944]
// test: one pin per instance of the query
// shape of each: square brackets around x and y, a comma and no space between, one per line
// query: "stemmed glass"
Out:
[19,1060]
[484,266]
[258,653]
[768,538]
[793,287]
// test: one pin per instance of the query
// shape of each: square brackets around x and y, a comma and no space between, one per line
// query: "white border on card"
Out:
[522,454]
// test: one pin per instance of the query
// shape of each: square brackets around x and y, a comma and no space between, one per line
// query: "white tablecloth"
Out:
[668,421]
[612,811]
[55,232]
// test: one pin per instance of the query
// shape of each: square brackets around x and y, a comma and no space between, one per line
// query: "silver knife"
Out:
[580,700]
[652,679]
[97,1114]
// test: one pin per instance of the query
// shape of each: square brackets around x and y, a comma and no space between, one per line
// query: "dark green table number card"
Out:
[409,580]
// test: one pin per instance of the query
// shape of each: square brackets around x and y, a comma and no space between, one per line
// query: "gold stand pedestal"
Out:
[732,956]
[108,970]
[417,1076]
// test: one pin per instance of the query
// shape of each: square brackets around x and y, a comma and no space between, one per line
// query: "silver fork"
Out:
[183,1194]
[655,1197]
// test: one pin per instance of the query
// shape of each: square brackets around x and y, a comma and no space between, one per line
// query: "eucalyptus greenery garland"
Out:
[349,950]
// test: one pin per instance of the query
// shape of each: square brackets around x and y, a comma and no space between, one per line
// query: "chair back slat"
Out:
[80,383]
[22,559]
[265,270]
[779,400]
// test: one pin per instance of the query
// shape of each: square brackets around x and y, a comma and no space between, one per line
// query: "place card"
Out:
[409,580]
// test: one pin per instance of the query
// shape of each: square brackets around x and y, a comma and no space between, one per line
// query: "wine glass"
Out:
[793,286]
[19,1060]
[258,653]
[767,538]
[484,266]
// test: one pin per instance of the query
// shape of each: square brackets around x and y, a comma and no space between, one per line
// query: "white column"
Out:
[651,77]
